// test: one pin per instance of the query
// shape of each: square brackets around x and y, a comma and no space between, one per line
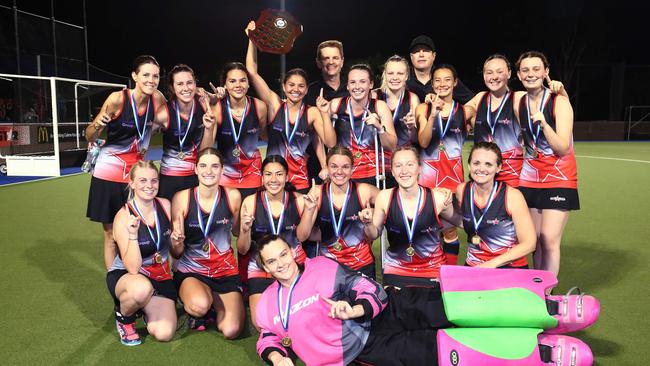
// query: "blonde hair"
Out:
[140,164]
[393,58]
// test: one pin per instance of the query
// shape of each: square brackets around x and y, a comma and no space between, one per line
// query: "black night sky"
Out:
[582,39]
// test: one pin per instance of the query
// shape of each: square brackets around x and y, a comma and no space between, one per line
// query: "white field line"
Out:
[617,159]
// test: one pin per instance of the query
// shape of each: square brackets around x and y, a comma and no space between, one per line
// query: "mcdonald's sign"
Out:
[42,135]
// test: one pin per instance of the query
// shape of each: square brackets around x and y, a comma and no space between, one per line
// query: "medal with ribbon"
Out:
[275,230]
[445,128]
[410,228]
[488,114]
[136,121]
[285,314]
[236,134]
[476,239]
[205,228]
[397,107]
[157,257]
[352,123]
[535,135]
[183,136]
[287,121]
[337,224]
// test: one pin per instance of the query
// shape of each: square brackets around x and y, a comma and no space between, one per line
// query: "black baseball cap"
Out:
[422,40]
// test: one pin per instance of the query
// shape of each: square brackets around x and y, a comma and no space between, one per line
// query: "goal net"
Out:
[42,122]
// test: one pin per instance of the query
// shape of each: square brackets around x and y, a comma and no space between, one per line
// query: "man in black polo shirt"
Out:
[423,54]
[329,59]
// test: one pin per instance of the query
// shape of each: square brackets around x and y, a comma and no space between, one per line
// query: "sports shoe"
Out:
[197,324]
[563,350]
[128,335]
[211,317]
[573,312]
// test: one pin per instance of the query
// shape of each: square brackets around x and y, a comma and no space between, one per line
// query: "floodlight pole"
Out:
[283,57]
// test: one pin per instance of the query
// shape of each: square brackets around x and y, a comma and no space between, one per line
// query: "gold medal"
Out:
[181,155]
[357,155]
[206,246]
[338,246]
[410,251]
[158,258]
[441,147]
[532,152]
[236,152]
[286,341]
[476,240]
[143,151]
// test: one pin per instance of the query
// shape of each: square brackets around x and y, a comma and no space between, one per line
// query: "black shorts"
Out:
[368,270]
[405,332]
[409,281]
[170,184]
[105,199]
[165,288]
[221,285]
[257,285]
[551,198]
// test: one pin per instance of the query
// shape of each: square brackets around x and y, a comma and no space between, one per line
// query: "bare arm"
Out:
[308,204]
[111,106]
[179,205]
[374,228]
[388,137]
[247,216]
[125,233]
[234,198]
[265,93]
[559,139]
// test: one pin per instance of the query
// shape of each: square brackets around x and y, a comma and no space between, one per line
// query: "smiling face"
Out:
[496,75]
[339,169]
[274,178]
[444,82]
[184,86]
[405,168]
[208,170]
[359,84]
[483,166]
[422,58]
[330,61]
[278,260]
[236,83]
[144,184]
[146,78]
[395,75]
[532,73]
[295,88]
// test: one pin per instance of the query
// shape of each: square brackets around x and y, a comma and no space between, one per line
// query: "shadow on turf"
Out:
[83,283]
[592,268]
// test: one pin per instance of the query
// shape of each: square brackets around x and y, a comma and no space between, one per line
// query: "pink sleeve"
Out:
[268,340]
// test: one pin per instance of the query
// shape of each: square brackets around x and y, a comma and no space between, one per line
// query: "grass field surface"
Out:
[56,308]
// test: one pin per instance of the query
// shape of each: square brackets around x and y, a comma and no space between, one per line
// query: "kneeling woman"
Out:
[139,278]
[329,315]
[495,216]
[342,207]
[410,213]
[274,210]
[206,271]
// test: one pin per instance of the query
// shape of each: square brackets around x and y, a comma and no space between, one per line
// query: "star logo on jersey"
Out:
[456,130]
[301,133]
[504,121]
[493,222]
[252,130]
[443,160]
[223,222]
[353,217]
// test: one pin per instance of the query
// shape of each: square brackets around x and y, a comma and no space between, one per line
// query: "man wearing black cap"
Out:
[423,53]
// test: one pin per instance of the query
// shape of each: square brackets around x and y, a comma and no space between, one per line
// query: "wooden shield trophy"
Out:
[275,31]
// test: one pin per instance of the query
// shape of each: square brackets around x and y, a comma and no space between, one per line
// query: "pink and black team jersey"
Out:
[192,133]
[147,245]
[219,258]
[262,226]
[496,229]
[547,170]
[353,249]
[503,130]
[429,255]
[293,152]
[316,338]
[364,150]
[124,147]
[243,168]
[442,160]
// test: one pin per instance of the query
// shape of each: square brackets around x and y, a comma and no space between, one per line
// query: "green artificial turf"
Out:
[56,309]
